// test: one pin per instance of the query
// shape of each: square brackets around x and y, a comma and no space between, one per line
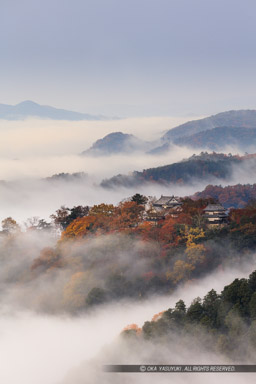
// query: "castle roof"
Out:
[214,208]
[165,200]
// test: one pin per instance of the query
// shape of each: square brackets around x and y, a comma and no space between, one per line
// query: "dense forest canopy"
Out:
[232,196]
[225,321]
[206,166]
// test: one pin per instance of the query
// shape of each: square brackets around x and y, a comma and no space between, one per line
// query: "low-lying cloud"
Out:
[39,137]
[41,341]
[35,149]
[178,350]
[52,349]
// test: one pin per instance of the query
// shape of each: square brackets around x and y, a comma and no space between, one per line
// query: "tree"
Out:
[237,296]
[148,329]
[179,313]
[9,225]
[252,306]
[139,199]
[77,211]
[64,216]
[79,227]
[180,306]
[210,299]
[211,304]
[195,311]
[61,217]
[35,223]
[43,225]
[96,296]
[49,259]
[167,232]
[103,209]
[195,252]
[76,290]
[128,215]
[131,330]
[32,223]
[181,270]
[252,281]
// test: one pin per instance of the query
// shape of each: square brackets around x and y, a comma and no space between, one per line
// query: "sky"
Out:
[156,63]
[129,58]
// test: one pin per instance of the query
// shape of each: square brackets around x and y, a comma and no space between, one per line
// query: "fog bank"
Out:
[45,349]
[38,137]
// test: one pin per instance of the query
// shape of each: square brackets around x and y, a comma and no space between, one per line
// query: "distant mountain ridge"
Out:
[117,143]
[196,168]
[231,128]
[29,108]
[217,138]
[239,118]
[206,133]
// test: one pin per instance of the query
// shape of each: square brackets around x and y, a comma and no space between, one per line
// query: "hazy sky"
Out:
[146,57]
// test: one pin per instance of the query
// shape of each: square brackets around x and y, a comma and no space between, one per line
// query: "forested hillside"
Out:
[240,118]
[232,196]
[217,139]
[202,167]
[107,253]
[225,322]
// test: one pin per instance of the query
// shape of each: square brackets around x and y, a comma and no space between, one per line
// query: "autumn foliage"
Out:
[116,252]
[231,196]
[132,327]
[105,218]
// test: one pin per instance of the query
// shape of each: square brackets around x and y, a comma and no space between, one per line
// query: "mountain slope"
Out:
[30,109]
[232,196]
[240,118]
[195,168]
[218,138]
[224,323]
[116,142]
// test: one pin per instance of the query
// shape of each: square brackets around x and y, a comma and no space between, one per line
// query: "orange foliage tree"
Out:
[79,227]
[128,215]
[49,258]
[132,328]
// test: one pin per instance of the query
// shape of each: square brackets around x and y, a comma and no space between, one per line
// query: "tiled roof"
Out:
[214,207]
[164,200]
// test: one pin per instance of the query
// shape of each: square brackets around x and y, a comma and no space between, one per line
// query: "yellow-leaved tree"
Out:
[195,252]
